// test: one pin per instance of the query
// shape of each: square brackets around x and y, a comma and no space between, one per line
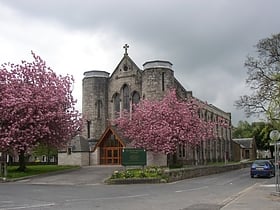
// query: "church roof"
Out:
[112,129]
[126,60]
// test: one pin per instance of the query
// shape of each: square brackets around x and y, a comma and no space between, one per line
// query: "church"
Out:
[105,94]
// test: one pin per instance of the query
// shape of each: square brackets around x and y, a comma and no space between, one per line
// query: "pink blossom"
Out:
[36,106]
[160,126]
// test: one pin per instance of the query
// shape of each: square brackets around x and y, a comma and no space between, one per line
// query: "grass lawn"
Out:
[35,170]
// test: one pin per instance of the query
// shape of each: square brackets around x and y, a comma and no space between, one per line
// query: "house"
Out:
[244,149]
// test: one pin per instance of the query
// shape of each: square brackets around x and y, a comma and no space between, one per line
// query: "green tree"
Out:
[47,150]
[243,130]
[258,130]
[261,132]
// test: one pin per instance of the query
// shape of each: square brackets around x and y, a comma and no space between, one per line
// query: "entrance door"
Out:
[110,149]
[110,156]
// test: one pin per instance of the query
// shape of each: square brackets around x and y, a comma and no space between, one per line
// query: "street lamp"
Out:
[274,136]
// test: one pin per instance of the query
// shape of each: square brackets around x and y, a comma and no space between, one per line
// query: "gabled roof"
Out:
[110,129]
[245,143]
[125,59]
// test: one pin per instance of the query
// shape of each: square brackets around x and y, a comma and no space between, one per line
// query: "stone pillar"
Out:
[95,102]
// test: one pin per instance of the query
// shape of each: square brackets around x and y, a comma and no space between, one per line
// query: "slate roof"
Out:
[245,143]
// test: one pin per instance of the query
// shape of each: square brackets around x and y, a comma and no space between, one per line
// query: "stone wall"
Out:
[94,157]
[154,159]
[156,81]
[75,158]
[186,173]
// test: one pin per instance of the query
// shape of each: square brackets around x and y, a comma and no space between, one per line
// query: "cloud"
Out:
[207,41]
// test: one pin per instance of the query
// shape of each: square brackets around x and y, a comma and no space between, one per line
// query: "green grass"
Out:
[35,170]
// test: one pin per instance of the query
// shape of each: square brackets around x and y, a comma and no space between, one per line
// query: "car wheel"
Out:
[252,176]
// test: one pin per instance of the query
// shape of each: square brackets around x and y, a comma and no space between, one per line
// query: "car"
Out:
[262,168]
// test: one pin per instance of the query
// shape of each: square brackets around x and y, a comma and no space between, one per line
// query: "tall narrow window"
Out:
[125,97]
[135,98]
[88,128]
[99,106]
[162,81]
[116,100]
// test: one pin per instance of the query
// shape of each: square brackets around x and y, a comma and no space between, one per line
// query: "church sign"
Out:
[134,157]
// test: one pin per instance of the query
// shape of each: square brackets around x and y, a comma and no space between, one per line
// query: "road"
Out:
[208,192]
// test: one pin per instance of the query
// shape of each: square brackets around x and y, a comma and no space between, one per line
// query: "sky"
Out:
[206,41]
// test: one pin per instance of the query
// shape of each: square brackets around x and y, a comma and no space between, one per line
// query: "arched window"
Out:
[116,101]
[125,92]
[135,98]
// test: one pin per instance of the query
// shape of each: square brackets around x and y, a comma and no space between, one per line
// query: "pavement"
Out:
[257,196]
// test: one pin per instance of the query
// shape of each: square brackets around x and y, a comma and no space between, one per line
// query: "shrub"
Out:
[148,172]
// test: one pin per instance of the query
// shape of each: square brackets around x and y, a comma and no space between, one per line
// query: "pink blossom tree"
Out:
[160,126]
[36,107]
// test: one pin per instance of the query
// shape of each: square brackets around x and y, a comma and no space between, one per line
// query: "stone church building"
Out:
[105,94]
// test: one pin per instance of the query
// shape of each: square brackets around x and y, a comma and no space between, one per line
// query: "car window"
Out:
[261,163]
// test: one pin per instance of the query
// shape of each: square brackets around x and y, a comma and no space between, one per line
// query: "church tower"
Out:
[95,103]
[157,78]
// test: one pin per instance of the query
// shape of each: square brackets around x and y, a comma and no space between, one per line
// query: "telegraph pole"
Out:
[274,136]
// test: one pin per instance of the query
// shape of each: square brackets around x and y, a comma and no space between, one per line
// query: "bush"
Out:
[149,172]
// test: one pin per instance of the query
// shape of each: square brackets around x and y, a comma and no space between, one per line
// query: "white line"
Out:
[267,185]
[108,198]
[7,201]
[24,180]
[49,183]
[28,207]
[193,189]
[230,199]
[93,184]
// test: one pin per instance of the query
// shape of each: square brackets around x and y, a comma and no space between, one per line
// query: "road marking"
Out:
[108,198]
[192,189]
[94,184]
[28,207]
[232,198]
[49,183]
[24,180]
[267,185]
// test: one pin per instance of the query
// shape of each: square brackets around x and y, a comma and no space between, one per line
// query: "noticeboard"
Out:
[134,157]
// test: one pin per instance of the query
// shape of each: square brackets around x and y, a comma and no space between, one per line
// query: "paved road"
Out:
[91,175]
[226,191]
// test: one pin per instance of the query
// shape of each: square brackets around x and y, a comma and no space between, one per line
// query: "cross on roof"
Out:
[126,46]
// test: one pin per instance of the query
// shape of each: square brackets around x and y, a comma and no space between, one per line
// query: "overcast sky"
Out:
[207,41]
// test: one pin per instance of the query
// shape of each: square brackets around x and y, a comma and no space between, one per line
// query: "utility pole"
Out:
[274,136]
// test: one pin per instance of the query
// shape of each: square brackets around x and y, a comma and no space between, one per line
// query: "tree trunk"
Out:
[22,164]
[48,156]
